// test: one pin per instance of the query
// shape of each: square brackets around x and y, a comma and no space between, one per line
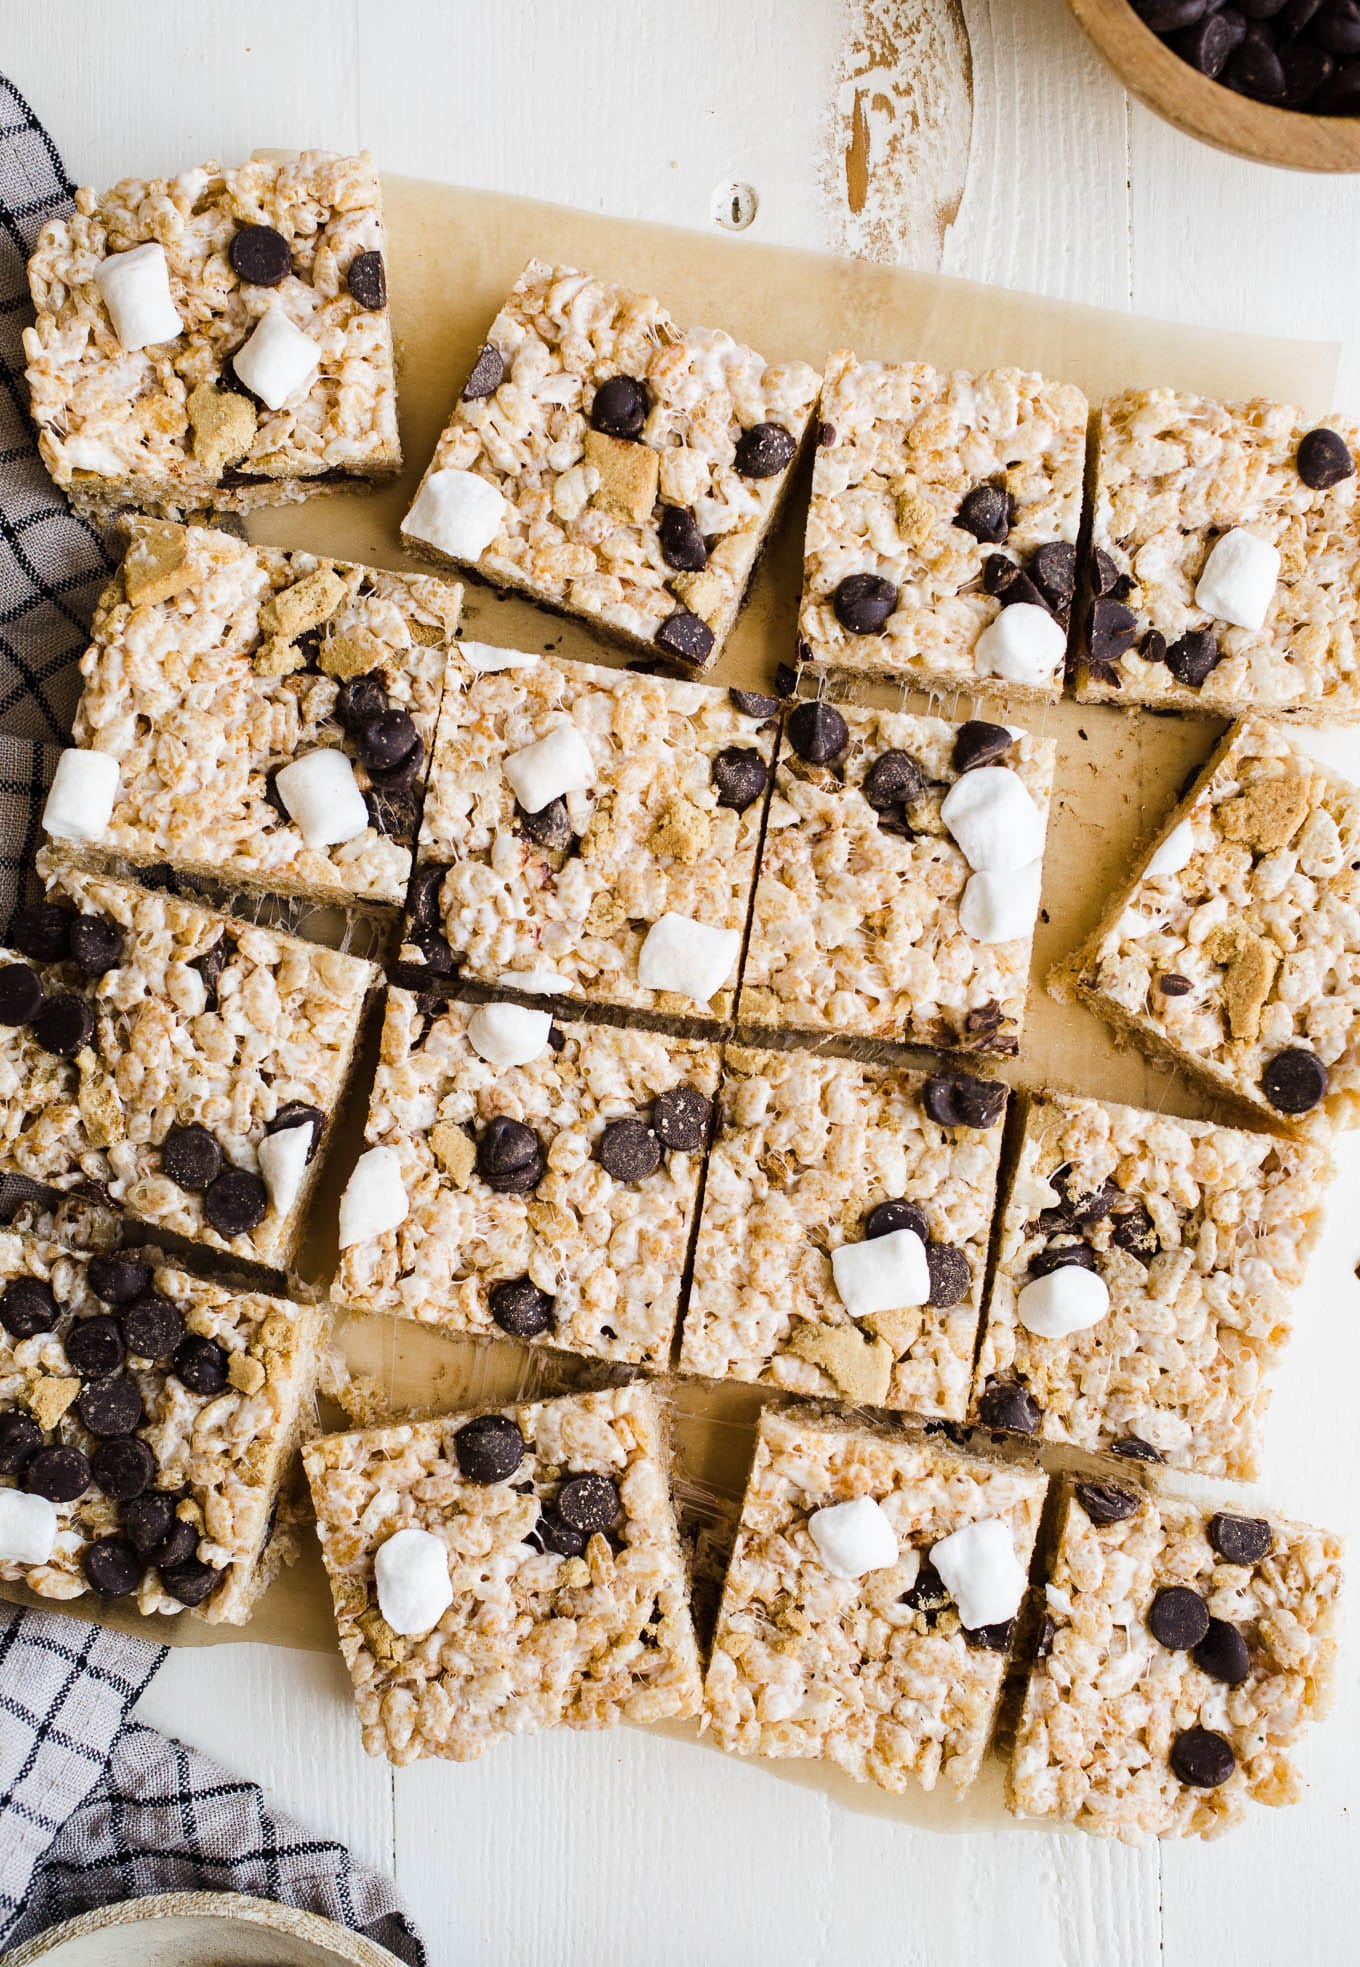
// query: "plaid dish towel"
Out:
[95,1807]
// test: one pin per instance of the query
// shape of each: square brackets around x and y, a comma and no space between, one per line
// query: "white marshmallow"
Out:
[995,823]
[283,1162]
[508,1034]
[1238,581]
[1024,644]
[458,512]
[485,659]
[691,958]
[28,1528]
[278,361]
[1068,1300]
[883,1273]
[81,797]
[1174,851]
[980,1571]
[1000,908]
[853,1538]
[411,1570]
[557,764]
[539,982]
[135,288]
[374,1199]
[322,796]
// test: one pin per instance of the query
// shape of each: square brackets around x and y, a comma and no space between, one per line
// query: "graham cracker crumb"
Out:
[344,656]
[629,475]
[682,833]
[915,516]
[453,1149]
[703,593]
[899,1329]
[245,1373]
[860,1367]
[1268,814]
[224,425]
[50,1398]
[277,656]
[157,563]
[306,604]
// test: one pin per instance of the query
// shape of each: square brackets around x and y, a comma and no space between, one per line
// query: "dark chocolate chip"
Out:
[359,700]
[147,1519]
[927,1593]
[20,1440]
[1053,569]
[1253,68]
[178,1546]
[1167,16]
[1208,43]
[864,603]
[1152,648]
[682,1118]
[201,1364]
[1194,656]
[210,966]
[367,281]
[629,1150]
[21,994]
[980,743]
[236,1202]
[990,1639]
[951,1275]
[190,1582]
[520,1308]
[556,1537]
[1308,71]
[64,1025]
[152,1326]
[386,741]
[1324,459]
[110,1407]
[118,1279]
[1112,629]
[1339,93]
[1202,1759]
[764,450]
[894,779]
[1172,984]
[299,1113]
[818,732]
[1106,1502]
[96,945]
[740,777]
[1240,1539]
[191,1157]
[488,373]
[423,901]
[1135,1231]
[1222,1653]
[986,512]
[589,1503]
[1337,27]
[1007,1404]
[489,1449]
[1133,1448]
[43,932]
[123,1467]
[510,1157]
[549,827]
[751,704]
[1048,1633]
[94,1346]
[1062,1256]
[27,1307]
[620,407]
[1294,1081]
[687,636]
[886,1217]
[260,256]
[956,1099]
[112,1567]
[1178,1618]
[60,1474]
[682,544]
[786,677]
[1008,582]
[826,436]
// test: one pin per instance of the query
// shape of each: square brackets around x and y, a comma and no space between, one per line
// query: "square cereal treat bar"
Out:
[870,1602]
[184,1064]
[147,1420]
[1225,560]
[528,1178]
[216,339]
[591,833]
[1183,1657]
[844,1233]
[1235,950]
[1140,1296]
[257,717]
[941,541]
[899,881]
[500,1573]
[613,465]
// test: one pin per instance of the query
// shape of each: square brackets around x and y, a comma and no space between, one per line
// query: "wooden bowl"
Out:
[199,1929]
[1205,109]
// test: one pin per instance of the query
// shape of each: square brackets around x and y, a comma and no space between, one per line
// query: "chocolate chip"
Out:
[682,544]
[117,1279]
[1338,94]
[359,700]
[179,1545]
[60,1474]
[489,1449]
[1106,1502]
[751,704]
[1178,1618]
[94,1346]
[894,779]
[987,513]
[1111,631]
[1324,459]
[1209,42]
[886,1217]
[1165,16]
[926,1593]
[1202,1759]
[123,1467]
[682,1118]
[1222,1653]
[386,741]
[112,1567]
[96,945]
[951,1275]
[549,827]
[620,407]
[236,1202]
[152,1327]
[556,1537]
[190,1157]
[1254,69]
[43,932]
[1048,1633]
[259,256]
[687,636]
[818,732]
[299,1113]
[1008,582]
[629,1151]
[1135,1231]
[21,994]
[1337,27]
[863,603]
[1133,1448]
[1240,1539]
[1295,1080]
[210,966]
[740,777]
[589,1503]
[990,1639]
[1152,648]
[190,1582]
[1307,71]
[27,1307]
[764,450]
[520,1308]
[367,281]
[488,373]
[1193,656]
[1172,984]
[510,1157]
[956,1099]
[147,1519]
[1007,1404]
[64,1025]
[1062,1256]
[423,900]
[786,676]
[1053,569]
[201,1364]
[20,1440]
[980,743]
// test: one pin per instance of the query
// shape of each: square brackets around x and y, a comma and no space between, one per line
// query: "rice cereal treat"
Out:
[501,1573]
[844,1233]
[147,1420]
[612,465]
[1140,1297]
[591,833]
[899,881]
[1225,560]
[871,1601]
[1184,1654]
[216,339]
[261,718]
[1235,950]
[183,1065]
[941,542]
[528,1178]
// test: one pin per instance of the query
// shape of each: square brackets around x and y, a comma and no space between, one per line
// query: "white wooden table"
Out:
[985,140]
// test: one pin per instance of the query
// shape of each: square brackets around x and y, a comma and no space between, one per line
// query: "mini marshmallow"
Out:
[1238,581]
[1000,908]
[374,1199]
[883,1273]
[411,1570]
[557,764]
[283,1161]
[539,982]
[135,288]
[1024,644]
[322,797]
[992,818]
[278,361]
[691,958]
[853,1538]
[28,1528]
[458,512]
[1071,1299]
[81,797]
[980,1571]
[485,659]
[1174,851]
[508,1034]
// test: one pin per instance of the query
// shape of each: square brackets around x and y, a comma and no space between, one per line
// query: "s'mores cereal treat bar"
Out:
[147,1420]
[216,339]
[1225,561]
[610,464]
[591,833]
[257,717]
[941,543]
[528,1178]
[1236,948]
[871,1602]
[899,881]
[497,1574]
[844,1233]
[1141,1290]
[183,1064]
[1184,1654]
